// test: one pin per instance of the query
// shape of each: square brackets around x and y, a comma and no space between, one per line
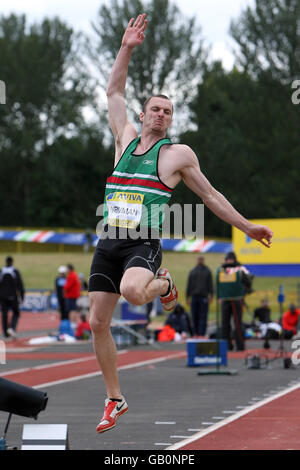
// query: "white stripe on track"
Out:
[232,418]
[52,364]
[127,366]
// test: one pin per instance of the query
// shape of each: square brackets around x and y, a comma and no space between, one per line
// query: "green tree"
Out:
[247,143]
[268,36]
[74,171]
[47,89]
[170,61]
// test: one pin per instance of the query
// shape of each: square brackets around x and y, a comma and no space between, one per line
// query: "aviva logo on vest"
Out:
[118,196]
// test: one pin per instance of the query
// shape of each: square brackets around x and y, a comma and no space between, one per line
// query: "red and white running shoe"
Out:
[168,300]
[112,411]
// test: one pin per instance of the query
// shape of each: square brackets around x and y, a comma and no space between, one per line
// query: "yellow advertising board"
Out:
[285,248]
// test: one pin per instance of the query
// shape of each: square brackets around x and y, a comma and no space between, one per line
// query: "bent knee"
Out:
[133,293]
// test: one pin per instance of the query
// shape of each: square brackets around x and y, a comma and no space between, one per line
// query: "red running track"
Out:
[83,366]
[272,426]
[38,321]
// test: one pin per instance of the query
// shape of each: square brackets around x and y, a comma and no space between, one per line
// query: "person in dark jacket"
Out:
[11,293]
[180,321]
[262,313]
[199,293]
[59,283]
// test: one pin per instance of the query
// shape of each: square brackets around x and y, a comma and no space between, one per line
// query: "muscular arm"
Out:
[122,129]
[216,202]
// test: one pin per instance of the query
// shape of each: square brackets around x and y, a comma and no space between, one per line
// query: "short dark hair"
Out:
[9,261]
[165,97]
[230,255]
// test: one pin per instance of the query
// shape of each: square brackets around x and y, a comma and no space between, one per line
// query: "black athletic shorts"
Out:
[113,257]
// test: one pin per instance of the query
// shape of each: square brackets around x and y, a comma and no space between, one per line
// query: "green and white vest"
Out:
[134,194]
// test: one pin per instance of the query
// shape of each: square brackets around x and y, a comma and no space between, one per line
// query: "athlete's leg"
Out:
[4,309]
[102,305]
[139,287]
[16,314]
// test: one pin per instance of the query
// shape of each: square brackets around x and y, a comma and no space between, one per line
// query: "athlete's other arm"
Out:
[122,129]
[216,202]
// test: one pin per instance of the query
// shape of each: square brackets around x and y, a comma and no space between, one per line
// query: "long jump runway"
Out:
[170,406]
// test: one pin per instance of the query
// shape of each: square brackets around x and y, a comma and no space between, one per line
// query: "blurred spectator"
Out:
[83,282]
[290,321]
[167,333]
[83,330]
[180,321]
[72,290]
[199,293]
[149,307]
[88,240]
[231,289]
[263,313]
[59,283]
[263,324]
[11,293]
[158,306]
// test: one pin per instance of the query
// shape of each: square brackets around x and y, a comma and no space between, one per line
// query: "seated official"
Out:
[263,313]
[83,330]
[180,321]
[290,321]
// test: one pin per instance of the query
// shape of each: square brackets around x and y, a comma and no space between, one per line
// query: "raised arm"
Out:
[216,202]
[122,129]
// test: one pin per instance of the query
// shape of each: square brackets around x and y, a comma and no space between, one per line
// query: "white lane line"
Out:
[228,412]
[233,417]
[165,422]
[125,367]
[16,371]
[218,417]
[179,437]
[63,363]
[162,443]
[207,423]
[195,430]
[52,364]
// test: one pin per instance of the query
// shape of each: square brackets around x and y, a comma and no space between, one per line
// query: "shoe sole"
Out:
[113,425]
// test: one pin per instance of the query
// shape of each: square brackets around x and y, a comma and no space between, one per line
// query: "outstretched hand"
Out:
[134,34]
[261,233]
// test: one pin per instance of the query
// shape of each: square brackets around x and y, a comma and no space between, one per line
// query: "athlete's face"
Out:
[158,115]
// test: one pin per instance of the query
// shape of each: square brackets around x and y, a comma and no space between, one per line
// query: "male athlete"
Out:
[146,170]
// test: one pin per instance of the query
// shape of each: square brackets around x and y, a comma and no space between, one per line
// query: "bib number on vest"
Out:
[124,209]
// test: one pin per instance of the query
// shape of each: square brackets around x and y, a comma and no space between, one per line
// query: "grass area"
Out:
[40,269]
